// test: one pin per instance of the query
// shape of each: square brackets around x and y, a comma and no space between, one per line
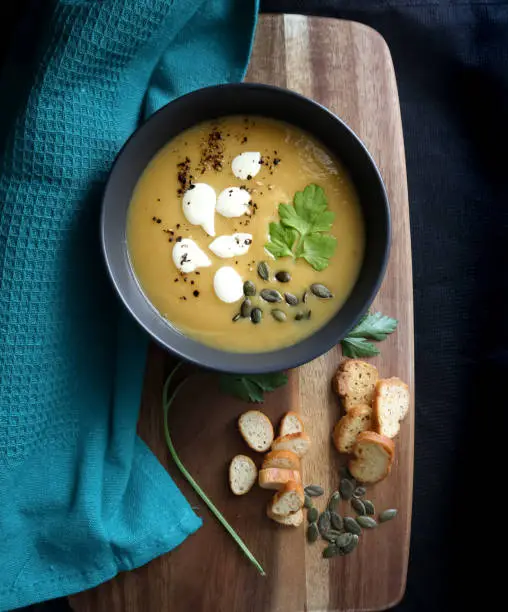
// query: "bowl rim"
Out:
[315,349]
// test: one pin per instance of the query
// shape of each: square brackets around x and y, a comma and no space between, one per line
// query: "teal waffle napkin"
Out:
[81,497]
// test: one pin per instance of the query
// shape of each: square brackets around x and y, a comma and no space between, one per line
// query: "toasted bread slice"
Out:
[288,500]
[286,460]
[291,520]
[256,430]
[356,420]
[291,423]
[276,478]
[355,382]
[391,403]
[373,457]
[243,474]
[297,443]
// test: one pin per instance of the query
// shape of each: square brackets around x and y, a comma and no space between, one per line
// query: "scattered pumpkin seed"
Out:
[324,522]
[271,295]
[370,509]
[308,502]
[367,522]
[312,515]
[256,315]
[353,543]
[291,299]
[305,296]
[359,492]
[283,276]
[279,315]
[312,532]
[346,488]
[331,551]
[314,490]
[344,539]
[351,525]
[331,535]
[246,308]
[249,289]
[336,521]
[345,473]
[321,291]
[236,317]
[359,506]
[263,270]
[334,501]
[387,515]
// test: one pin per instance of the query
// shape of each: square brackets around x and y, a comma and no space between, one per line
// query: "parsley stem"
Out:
[166,404]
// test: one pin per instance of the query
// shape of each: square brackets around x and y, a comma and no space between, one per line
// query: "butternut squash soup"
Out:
[246,234]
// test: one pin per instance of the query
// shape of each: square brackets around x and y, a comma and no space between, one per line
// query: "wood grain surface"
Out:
[348,68]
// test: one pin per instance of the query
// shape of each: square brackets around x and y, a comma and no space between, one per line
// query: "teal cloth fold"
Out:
[81,497]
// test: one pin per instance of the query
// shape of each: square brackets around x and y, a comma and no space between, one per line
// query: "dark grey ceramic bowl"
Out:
[245,99]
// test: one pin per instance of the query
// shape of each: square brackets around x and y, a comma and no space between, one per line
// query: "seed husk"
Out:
[283,276]
[249,289]
[279,315]
[387,515]
[291,299]
[263,270]
[367,522]
[370,509]
[344,539]
[359,492]
[271,295]
[359,506]
[246,308]
[334,501]
[256,315]
[324,522]
[312,532]
[308,502]
[236,317]
[351,526]
[312,515]
[331,551]
[353,543]
[336,521]
[305,296]
[346,488]
[321,291]
[314,490]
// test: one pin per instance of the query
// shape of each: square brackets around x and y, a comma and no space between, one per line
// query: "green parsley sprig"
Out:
[373,326]
[251,387]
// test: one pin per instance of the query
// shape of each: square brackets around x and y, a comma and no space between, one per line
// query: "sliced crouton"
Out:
[281,459]
[243,474]
[391,403]
[356,420]
[291,520]
[256,430]
[297,443]
[354,382]
[275,478]
[291,423]
[373,457]
[289,499]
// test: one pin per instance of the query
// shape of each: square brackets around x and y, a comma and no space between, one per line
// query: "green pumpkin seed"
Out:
[312,515]
[330,536]
[346,488]
[236,317]
[256,315]
[334,501]
[308,502]
[387,515]
[249,289]
[263,270]
[321,291]
[291,299]
[370,509]
[359,506]
[312,532]
[324,522]
[246,308]
[345,473]
[359,492]
[314,490]
[344,539]
[270,295]
[283,276]
[367,522]
[331,551]
[350,546]
[336,521]
[351,526]
[279,315]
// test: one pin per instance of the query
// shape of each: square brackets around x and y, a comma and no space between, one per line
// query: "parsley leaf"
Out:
[250,387]
[372,326]
[282,240]
[317,250]
[358,347]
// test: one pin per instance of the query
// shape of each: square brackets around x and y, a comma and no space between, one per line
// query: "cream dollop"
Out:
[246,164]
[233,202]
[187,256]
[199,206]
[228,285]
[231,246]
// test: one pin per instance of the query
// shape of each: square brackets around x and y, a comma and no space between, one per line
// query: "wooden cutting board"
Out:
[348,68]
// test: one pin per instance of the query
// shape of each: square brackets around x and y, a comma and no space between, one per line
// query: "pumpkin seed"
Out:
[314,490]
[279,315]
[324,522]
[291,299]
[308,502]
[249,289]
[336,521]
[344,539]
[359,492]
[387,515]
[236,317]
[359,506]
[283,276]
[370,509]
[330,536]
[367,522]
[246,308]
[305,296]
[256,315]
[346,488]
[331,551]
[312,515]
[353,543]
[351,525]
[345,473]
[270,295]
[263,270]
[312,532]
[321,291]
[334,501]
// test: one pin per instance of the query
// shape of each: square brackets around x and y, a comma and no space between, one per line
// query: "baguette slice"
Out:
[297,443]
[291,423]
[256,430]
[356,420]
[355,382]
[391,403]
[286,460]
[291,520]
[243,474]
[275,478]
[288,500]
[373,457]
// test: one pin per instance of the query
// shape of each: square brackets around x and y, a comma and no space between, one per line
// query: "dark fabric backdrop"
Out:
[451,62]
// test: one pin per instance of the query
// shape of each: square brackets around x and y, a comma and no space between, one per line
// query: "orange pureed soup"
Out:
[277,234]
